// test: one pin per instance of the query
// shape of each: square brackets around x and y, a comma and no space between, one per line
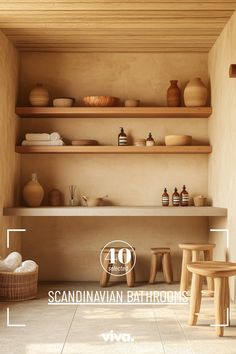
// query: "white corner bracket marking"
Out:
[227,246]
[8,234]
[227,234]
[8,321]
[227,320]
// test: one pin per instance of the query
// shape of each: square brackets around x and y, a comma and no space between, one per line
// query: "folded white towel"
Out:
[37,136]
[26,266]
[41,142]
[11,262]
[42,136]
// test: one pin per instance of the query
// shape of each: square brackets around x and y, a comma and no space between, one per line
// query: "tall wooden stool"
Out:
[191,253]
[105,277]
[164,254]
[220,273]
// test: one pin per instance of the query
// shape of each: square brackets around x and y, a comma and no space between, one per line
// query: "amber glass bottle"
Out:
[150,141]
[165,198]
[184,197]
[122,137]
[175,198]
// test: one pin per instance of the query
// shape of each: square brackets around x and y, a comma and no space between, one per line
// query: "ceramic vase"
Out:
[33,192]
[39,96]
[195,93]
[173,94]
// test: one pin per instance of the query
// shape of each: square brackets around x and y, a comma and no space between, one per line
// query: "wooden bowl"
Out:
[178,140]
[101,101]
[84,142]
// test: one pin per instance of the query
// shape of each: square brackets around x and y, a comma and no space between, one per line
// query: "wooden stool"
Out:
[105,277]
[164,253]
[191,253]
[219,272]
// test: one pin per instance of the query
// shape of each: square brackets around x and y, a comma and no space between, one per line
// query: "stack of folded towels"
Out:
[13,263]
[34,139]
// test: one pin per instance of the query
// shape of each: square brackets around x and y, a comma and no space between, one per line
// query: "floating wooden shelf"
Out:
[114,149]
[113,112]
[116,211]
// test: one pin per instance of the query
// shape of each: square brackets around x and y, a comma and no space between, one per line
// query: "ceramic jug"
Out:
[173,94]
[33,192]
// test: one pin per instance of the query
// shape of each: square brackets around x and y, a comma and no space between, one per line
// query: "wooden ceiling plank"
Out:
[116,5]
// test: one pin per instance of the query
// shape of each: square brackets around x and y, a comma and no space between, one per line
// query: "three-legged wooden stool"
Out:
[191,253]
[164,253]
[105,276]
[220,273]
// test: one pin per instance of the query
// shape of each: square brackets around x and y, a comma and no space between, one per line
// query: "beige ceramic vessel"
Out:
[39,96]
[33,192]
[195,93]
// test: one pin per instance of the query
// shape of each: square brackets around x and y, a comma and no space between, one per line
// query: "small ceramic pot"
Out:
[199,201]
[195,93]
[39,96]
[55,197]
[132,103]
[63,102]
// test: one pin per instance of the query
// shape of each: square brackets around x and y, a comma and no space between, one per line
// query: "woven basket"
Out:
[18,286]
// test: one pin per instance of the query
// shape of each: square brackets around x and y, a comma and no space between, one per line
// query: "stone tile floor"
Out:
[78,329]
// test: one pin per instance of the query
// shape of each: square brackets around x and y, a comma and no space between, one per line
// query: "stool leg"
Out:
[105,276]
[195,299]
[219,284]
[153,270]
[208,256]
[130,276]
[185,274]
[226,301]
[167,268]
[195,256]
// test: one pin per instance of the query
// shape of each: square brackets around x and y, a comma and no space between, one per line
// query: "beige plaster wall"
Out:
[222,128]
[67,248]
[9,161]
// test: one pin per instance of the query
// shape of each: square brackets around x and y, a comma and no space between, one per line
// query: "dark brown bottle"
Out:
[184,197]
[175,198]
[122,138]
[150,141]
[165,198]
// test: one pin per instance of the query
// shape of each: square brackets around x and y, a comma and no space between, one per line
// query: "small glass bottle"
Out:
[184,197]
[165,198]
[150,141]
[122,137]
[175,198]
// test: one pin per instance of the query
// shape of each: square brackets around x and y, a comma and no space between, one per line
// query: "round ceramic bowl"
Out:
[132,103]
[63,102]
[199,201]
[178,140]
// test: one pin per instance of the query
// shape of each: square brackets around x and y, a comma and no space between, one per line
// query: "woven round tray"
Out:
[18,286]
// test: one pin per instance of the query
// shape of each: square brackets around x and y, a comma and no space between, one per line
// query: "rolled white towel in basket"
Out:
[26,266]
[11,262]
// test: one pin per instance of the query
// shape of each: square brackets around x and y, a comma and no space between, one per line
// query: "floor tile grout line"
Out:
[73,317]
[162,344]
